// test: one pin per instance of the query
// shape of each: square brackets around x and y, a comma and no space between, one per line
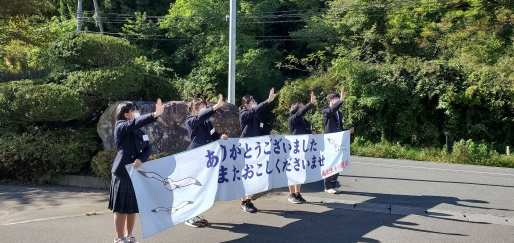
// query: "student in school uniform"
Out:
[201,132]
[252,126]
[131,147]
[333,122]
[299,125]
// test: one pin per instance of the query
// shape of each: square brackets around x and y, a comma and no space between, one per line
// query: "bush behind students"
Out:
[132,146]
[252,126]
[333,122]
[299,125]
[201,132]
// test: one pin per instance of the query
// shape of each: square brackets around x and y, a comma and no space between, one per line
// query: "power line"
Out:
[349,9]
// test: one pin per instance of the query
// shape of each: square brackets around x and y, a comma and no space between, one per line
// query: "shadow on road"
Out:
[50,195]
[346,225]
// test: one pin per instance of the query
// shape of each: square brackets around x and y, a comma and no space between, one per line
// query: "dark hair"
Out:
[294,108]
[333,95]
[195,103]
[245,101]
[124,108]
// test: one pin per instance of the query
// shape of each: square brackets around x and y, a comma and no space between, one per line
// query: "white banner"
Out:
[173,189]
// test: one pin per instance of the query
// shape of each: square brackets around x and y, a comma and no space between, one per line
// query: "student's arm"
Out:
[199,119]
[124,128]
[215,136]
[247,114]
[300,113]
[330,110]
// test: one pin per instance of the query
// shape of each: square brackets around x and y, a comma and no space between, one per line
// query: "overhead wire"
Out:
[290,16]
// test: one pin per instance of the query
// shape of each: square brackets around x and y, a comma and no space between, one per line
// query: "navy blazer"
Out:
[130,144]
[251,124]
[297,123]
[200,129]
[331,121]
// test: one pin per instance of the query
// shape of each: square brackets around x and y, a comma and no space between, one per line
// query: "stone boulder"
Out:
[169,134]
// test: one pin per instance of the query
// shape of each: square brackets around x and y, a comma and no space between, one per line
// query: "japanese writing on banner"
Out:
[173,189]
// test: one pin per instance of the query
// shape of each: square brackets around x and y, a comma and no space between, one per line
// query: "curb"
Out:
[83,181]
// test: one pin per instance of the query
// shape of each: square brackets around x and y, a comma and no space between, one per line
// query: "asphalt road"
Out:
[382,201]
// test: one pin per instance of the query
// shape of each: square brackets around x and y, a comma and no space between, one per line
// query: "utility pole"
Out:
[97,15]
[232,54]
[79,16]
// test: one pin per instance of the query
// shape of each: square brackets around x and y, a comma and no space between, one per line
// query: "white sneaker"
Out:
[120,240]
[331,191]
[131,239]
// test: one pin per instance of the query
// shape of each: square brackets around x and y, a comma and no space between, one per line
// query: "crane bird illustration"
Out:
[170,184]
[336,146]
[172,210]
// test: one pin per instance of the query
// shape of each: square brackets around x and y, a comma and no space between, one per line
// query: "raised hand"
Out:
[159,108]
[313,97]
[342,94]
[271,95]
[219,104]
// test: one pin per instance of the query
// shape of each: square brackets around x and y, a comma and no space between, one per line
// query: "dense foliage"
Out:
[411,69]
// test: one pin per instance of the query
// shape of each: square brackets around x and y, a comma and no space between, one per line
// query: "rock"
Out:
[168,134]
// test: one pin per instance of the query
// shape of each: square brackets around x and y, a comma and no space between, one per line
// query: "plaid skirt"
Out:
[122,198]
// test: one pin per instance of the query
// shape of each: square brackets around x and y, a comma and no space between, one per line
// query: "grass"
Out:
[464,152]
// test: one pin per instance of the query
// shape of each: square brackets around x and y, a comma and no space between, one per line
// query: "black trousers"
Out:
[330,182]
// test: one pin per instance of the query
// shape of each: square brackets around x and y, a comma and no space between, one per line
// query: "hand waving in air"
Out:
[159,109]
[271,95]
[219,104]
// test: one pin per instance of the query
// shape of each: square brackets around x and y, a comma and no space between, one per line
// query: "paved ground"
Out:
[383,201]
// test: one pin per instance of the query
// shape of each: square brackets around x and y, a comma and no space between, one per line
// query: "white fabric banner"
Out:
[173,189]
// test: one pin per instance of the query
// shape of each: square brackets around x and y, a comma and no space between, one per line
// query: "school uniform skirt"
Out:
[122,198]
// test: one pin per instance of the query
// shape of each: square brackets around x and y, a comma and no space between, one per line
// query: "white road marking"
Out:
[429,168]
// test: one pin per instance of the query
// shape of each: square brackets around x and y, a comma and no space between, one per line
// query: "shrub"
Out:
[38,155]
[107,83]
[48,102]
[469,152]
[32,101]
[91,51]
[464,152]
[158,155]
[102,162]
[158,87]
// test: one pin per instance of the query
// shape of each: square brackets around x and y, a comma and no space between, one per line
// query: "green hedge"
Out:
[464,152]
[85,50]
[38,155]
[32,101]
[102,162]
[48,102]
[106,83]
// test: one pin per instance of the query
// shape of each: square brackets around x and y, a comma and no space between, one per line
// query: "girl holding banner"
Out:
[333,122]
[252,126]
[299,125]
[201,131]
[131,147]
